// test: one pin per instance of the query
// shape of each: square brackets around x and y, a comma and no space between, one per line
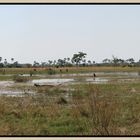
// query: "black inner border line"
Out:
[69,3]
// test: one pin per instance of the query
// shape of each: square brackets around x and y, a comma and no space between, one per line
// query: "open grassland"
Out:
[8,73]
[88,109]
[70,70]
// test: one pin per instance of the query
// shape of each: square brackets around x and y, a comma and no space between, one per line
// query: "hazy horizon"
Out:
[49,32]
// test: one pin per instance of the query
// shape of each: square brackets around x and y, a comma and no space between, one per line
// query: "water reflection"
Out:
[97,80]
[51,81]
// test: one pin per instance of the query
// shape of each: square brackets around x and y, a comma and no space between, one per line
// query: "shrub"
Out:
[51,71]
[62,101]
[18,78]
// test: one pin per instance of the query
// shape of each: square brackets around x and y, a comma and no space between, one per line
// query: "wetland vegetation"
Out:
[70,100]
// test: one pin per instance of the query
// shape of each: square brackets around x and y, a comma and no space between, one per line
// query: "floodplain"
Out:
[70,103]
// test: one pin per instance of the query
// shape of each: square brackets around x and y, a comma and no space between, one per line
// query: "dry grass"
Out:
[70,69]
[99,113]
[17,78]
[110,109]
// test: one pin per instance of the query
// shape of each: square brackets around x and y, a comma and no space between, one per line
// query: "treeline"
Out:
[78,59]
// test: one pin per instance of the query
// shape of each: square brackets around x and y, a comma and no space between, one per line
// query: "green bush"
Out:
[51,71]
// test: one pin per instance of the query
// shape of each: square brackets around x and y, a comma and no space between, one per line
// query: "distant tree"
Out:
[89,62]
[77,58]
[106,61]
[60,62]
[5,62]
[50,62]
[54,62]
[130,61]
[36,64]
[121,62]
[0,59]
[67,62]
[84,62]
[93,62]
[64,61]
[138,63]
[12,59]
[1,64]
[15,64]
[68,59]
[43,64]
[28,65]
[115,60]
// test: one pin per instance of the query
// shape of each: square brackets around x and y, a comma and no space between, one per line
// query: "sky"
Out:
[47,32]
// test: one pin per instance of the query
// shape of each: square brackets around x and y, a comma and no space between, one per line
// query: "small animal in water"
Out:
[67,70]
[37,85]
[94,75]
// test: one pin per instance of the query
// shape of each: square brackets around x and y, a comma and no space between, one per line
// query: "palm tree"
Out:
[65,61]
[1,64]
[54,62]
[60,62]
[12,59]
[50,62]
[68,59]
[5,62]
[0,59]
[115,60]
[93,62]
[84,62]
[89,62]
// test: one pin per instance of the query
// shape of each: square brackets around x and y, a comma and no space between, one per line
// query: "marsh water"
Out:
[82,74]
[67,79]
[52,81]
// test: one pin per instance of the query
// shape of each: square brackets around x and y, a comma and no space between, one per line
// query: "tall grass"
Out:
[98,113]
[92,110]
